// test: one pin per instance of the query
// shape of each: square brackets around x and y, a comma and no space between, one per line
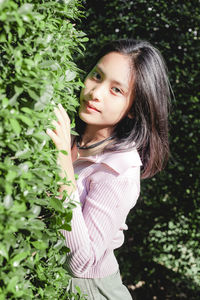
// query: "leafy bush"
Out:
[38,40]
[161,244]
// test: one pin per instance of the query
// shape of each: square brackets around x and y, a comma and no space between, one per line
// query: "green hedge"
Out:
[38,40]
[161,252]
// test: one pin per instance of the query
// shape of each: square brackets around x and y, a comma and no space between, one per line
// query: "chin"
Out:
[85,118]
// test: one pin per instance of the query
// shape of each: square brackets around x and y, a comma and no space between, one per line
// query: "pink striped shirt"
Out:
[108,186]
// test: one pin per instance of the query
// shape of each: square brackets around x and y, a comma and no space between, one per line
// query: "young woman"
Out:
[122,125]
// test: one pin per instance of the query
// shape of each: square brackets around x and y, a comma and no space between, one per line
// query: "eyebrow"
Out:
[114,81]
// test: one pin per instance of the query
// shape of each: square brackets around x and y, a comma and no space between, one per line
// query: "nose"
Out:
[97,92]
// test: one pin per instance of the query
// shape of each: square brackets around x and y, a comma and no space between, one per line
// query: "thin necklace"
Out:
[93,145]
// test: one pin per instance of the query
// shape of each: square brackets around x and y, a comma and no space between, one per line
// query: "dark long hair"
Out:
[148,129]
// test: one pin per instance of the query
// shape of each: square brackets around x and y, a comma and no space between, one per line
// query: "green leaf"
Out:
[78,289]
[2,38]
[18,207]
[41,136]
[3,251]
[15,126]
[56,204]
[74,132]
[66,226]
[33,95]
[11,175]
[26,120]
[27,110]
[47,94]
[13,100]
[12,284]
[23,153]
[59,244]
[70,75]
[36,209]
[64,152]
[8,201]
[37,224]
[8,188]
[25,8]
[68,216]
[40,245]
[15,261]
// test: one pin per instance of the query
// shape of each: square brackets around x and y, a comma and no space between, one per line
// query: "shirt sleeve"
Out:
[95,225]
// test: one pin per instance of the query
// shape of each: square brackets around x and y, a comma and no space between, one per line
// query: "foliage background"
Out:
[38,40]
[161,256]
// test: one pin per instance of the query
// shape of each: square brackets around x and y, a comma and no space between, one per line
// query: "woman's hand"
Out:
[62,140]
[61,135]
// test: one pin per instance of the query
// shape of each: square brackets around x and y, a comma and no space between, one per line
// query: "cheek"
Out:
[117,107]
[82,93]
[114,112]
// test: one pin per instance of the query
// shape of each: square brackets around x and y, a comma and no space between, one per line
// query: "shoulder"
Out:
[111,164]
[117,167]
[118,174]
[120,161]
[111,173]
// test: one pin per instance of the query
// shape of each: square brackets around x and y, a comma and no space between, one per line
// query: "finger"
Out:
[65,117]
[64,114]
[65,120]
[62,131]
[61,122]
[56,126]
[53,136]
[59,116]
[59,130]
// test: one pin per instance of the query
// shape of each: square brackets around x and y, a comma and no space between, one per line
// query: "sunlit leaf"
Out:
[15,126]
[56,204]
[3,251]
[39,245]
[15,261]
[26,120]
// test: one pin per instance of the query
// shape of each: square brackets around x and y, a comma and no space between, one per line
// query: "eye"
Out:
[116,90]
[96,75]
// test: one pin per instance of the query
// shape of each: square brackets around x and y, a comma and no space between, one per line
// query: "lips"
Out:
[91,106]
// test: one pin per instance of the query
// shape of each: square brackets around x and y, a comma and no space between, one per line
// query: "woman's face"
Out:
[108,93]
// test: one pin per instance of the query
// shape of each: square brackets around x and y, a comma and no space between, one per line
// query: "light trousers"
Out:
[109,288]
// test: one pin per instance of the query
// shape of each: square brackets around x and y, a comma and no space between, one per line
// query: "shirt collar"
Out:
[119,161]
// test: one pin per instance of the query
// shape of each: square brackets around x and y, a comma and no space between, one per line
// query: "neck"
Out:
[92,135]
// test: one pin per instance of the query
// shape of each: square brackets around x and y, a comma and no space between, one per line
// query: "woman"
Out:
[122,125]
